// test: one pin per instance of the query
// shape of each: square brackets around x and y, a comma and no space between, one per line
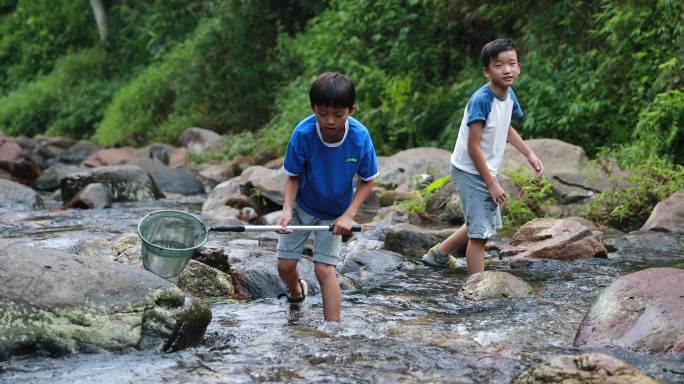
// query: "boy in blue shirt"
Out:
[482,137]
[325,152]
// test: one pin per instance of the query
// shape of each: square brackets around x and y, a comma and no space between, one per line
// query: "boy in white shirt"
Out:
[482,137]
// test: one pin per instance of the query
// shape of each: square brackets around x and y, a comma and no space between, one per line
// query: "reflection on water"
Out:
[412,328]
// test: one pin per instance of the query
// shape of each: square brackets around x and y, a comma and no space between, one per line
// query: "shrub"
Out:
[535,194]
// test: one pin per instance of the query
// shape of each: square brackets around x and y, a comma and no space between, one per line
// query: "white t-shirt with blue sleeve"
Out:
[326,170]
[495,113]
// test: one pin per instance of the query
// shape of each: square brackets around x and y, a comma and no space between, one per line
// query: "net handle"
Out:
[263,228]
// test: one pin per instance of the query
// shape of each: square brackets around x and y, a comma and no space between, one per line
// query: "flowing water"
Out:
[407,326]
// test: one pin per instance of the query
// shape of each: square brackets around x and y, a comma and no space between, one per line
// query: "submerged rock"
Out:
[59,303]
[495,285]
[413,241]
[641,311]
[595,368]
[202,280]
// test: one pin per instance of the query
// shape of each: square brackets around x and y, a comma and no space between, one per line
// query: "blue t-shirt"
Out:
[326,170]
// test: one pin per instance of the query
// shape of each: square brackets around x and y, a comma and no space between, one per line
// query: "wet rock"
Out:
[268,182]
[78,152]
[109,156]
[60,303]
[495,285]
[371,266]
[223,215]
[201,280]
[221,194]
[667,216]
[124,182]
[413,241]
[51,178]
[561,239]
[18,196]
[198,140]
[94,247]
[158,152]
[92,196]
[264,156]
[14,164]
[641,311]
[172,180]
[403,166]
[127,250]
[587,368]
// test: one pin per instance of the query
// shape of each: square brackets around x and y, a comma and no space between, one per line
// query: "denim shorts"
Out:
[482,215]
[327,247]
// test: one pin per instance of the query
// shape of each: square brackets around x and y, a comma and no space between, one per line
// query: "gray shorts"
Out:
[327,247]
[482,215]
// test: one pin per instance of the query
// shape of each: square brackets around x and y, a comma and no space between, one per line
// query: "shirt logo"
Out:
[351,160]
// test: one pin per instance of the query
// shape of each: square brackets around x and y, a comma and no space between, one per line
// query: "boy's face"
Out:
[332,121]
[504,69]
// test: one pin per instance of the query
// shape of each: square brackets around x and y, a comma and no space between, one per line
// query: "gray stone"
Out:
[403,166]
[78,152]
[596,368]
[413,241]
[201,280]
[198,140]
[124,182]
[495,285]
[63,303]
[51,178]
[18,196]
[267,182]
[92,196]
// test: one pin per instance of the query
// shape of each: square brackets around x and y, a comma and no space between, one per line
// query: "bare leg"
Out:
[287,269]
[475,255]
[455,241]
[330,290]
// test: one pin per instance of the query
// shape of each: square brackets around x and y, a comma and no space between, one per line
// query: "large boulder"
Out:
[560,239]
[403,166]
[557,156]
[172,180]
[92,196]
[596,368]
[667,216]
[370,267]
[51,178]
[18,196]
[495,285]
[14,164]
[78,152]
[198,140]
[109,156]
[267,182]
[124,182]
[641,311]
[413,241]
[221,194]
[63,303]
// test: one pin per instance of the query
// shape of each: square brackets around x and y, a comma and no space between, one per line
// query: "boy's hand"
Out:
[497,193]
[536,164]
[343,225]
[284,221]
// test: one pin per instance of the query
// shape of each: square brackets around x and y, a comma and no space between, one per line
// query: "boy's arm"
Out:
[344,223]
[517,141]
[475,151]
[290,192]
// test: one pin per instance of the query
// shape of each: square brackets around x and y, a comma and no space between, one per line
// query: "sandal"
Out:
[437,259]
[300,299]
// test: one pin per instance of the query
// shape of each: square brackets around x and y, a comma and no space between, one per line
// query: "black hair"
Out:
[492,50]
[332,89]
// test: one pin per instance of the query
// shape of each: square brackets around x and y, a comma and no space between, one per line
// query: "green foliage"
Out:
[418,205]
[535,194]
[661,126]
[69,101]
[33,34]
[651,179]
